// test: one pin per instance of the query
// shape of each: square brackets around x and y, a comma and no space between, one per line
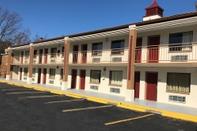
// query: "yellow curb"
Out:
[130,107]
[180,116]
[94,99]
[74,95]
[57,92]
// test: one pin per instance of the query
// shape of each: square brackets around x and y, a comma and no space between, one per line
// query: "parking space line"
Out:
[15,89]
[129,119]
[63,101]
[43,96]
[24,92]
[87,108]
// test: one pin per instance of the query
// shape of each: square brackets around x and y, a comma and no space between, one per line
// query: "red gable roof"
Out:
[153,5]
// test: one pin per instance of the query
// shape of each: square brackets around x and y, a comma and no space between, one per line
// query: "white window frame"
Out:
[97,79]
[52,72]
[178,82]
[114,79]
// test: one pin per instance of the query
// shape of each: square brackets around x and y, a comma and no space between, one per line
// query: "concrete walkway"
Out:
[180,112]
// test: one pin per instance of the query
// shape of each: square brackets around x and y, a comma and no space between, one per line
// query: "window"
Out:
[53,52]
[180,41]
[178,82]
[97,48]
[25,71]
[35,53]
[61,74]
[63,51]
[51,73]
[34,72]
[117,47]
[116,78]
[26,54]
[95,76]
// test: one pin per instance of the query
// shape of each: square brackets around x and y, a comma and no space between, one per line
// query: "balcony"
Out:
[98,57]
[56,58]
[166,54]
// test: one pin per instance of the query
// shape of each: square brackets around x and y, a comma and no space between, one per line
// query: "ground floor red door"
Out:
[151,86]
[74,79]
[82,79]
[44,75]
[39,74]
[20,78]
[137,84]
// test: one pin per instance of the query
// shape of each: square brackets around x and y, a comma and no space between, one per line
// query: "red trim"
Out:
[130,53]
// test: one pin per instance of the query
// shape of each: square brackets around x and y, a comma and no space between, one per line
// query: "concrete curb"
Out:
[134,107]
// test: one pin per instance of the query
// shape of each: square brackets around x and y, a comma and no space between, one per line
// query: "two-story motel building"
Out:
[154,60]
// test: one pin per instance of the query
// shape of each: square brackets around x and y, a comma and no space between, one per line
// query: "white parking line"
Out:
[34,97]
[63,101]
[24,92]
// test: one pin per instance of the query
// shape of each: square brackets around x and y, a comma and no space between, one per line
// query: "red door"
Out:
[44,75]
[151,86]
[84,53]
[137,84]
[39,74]
[138,50]
[20,78]
[74,79]
[153,49]
[45,55]
[82,79]
[40,56]
[75,53]
[21,57]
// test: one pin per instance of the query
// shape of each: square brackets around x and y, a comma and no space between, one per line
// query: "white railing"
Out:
[56,58]
[99,56]
[171,53]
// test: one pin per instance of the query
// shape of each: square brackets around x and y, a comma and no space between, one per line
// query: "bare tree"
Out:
[37,37]
[11,30]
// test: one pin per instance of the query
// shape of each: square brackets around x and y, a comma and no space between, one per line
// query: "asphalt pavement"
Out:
[23,109]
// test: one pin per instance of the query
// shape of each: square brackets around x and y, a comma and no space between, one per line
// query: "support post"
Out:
[8,63]
[131,67]
[31,55]
[66,59]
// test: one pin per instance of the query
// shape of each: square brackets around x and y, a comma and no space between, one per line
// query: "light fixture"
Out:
[57,67]
[104,69]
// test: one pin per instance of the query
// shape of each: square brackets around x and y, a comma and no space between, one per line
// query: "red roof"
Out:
[153,5]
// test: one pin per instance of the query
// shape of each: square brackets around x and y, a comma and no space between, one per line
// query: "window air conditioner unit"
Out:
[52,60]
[117,59]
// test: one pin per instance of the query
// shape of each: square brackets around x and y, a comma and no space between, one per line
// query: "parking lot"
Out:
[25,109]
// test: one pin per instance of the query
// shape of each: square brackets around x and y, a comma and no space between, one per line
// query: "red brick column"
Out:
[8,63]
[66,59]
[131,67]
[30,68]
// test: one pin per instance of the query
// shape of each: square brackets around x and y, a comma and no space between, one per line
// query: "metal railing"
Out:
[55,58]
[177,52]
[119,55]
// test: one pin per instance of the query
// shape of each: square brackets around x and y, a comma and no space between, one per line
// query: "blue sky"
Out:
[56,18]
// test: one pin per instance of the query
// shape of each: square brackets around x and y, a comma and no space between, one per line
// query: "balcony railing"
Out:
[99,56]
[170,53]
[55,58]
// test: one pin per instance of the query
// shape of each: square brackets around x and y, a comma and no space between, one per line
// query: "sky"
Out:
[54,18]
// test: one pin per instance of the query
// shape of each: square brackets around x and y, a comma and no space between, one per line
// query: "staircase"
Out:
[3,69]
[3,66]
